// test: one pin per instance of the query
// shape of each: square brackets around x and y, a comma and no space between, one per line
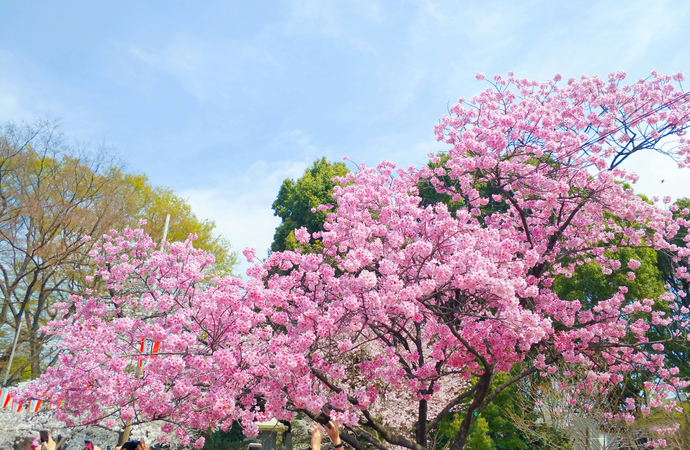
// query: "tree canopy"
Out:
[408,312]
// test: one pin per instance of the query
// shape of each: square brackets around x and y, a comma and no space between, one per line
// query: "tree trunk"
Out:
[35,355]
[483,386]
[421,423]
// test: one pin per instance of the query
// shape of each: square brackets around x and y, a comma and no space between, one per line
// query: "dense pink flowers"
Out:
[406,302]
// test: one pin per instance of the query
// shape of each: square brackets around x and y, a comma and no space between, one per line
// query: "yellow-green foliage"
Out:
[154,203]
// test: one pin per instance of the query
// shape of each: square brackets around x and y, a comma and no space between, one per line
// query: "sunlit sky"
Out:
[221,101]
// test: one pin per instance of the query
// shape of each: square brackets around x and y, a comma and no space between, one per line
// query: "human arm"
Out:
[316,436]
[334,433]
[49,444]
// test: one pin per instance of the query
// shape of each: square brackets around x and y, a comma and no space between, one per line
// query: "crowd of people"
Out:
[50,444]
[317,431]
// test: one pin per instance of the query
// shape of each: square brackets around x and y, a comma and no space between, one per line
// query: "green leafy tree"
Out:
[500,428]
[298,201]
[232,439]
[479,436]
[590,285]
[495,426]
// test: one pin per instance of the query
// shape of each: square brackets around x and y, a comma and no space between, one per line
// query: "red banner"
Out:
[149,348]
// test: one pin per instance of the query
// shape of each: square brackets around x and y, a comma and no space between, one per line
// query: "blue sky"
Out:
[223,100]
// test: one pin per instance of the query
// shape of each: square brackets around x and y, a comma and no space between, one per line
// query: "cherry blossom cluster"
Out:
[405,301]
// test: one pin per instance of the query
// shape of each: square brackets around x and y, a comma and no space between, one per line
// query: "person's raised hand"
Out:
[316,436]
[334,433]
[49,445]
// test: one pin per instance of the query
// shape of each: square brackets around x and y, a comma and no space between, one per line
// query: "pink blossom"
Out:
[249,254]
[405,301]
[634,264]
[302,235]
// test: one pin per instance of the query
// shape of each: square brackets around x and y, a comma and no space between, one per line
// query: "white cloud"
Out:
[242,216]
[16,101]
[10,102]
[27,94]
[240,204]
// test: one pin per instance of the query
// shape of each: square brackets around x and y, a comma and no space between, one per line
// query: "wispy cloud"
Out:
[28,93]
[10,102]
[241,207]
[18,101]
[241,203]
[212,72]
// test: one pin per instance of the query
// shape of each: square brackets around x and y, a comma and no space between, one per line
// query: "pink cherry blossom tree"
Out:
[409,311]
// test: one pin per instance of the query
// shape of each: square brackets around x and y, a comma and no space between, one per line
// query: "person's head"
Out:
[133,445]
